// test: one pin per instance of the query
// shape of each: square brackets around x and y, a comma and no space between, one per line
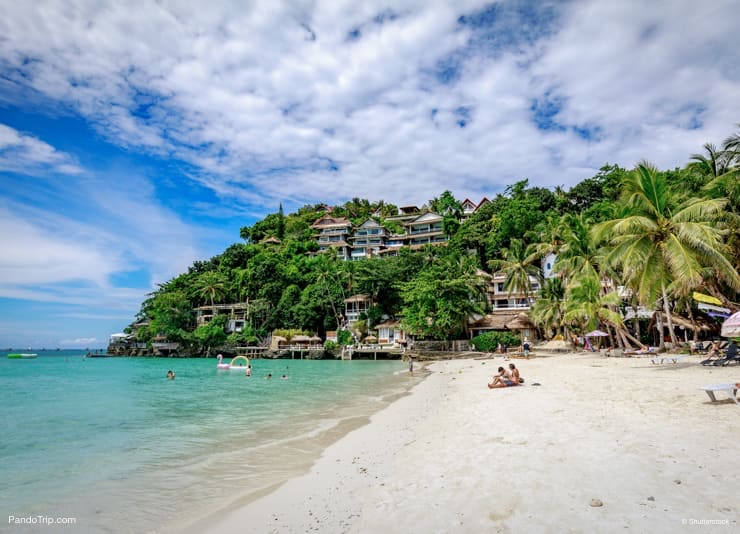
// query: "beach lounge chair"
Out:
[667,358]
[727,360]
[731,390]
[731,356]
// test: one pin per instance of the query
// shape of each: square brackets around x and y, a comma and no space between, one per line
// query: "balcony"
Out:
[425,229]
[334,231]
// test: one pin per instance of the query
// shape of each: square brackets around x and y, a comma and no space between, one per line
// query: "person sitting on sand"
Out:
[516,379]
[500,378]
[170,375]
[697,347]
[714,353]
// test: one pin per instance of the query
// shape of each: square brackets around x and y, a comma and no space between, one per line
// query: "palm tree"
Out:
[211,285]
[732,145]
[716,162]
[518,266]
[550,235]
[657,241]
[578,256]
[587,305]
[547,311]
[327,278]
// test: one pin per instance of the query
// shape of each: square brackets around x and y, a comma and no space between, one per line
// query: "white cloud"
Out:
[262,98]
[33,255]
[27,154]
[80,257]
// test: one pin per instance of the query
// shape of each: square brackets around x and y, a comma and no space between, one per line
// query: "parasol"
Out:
[596,333]
[731,327]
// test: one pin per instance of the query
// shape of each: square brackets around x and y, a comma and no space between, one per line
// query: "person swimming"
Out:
[248,372]
[284,377]
[170,375]
[269,376]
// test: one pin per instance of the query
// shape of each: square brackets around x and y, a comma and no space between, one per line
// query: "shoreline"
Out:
[640,438]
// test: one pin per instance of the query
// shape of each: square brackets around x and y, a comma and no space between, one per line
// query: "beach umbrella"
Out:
[596,333]
[731,327]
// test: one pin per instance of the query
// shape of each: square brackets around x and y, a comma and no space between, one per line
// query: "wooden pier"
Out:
[386,353]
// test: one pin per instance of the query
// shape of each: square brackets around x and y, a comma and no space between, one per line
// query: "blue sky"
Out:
[137,137]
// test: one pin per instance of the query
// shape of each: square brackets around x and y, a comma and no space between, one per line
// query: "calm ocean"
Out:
[114,444]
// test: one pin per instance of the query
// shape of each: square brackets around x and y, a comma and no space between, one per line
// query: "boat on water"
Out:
[21,355]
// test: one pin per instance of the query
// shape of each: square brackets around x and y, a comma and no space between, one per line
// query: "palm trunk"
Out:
[666,308]
[333,307]
[637,325]
[693,323]
[661,342]
[627,336]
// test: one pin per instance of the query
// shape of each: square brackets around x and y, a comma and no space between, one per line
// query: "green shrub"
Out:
[489,341]
[344,337]
[288,333]
[330,345]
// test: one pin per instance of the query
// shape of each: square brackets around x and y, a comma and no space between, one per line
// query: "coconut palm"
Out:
[211,285]
[715,163]
[587,305]
[657,240]
[732,145]
[549,235]
[547,311]
[518,266]
[327,277]
[578,256]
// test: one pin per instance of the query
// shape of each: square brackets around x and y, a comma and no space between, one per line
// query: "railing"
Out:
[165,346]
[335,231]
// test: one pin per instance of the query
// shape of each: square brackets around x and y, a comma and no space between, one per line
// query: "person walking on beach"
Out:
[411,364]
[525,347]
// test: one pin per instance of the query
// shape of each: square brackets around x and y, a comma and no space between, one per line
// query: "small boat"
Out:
[22,355]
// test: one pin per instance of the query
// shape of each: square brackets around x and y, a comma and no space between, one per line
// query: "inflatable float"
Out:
[17,356]
[234,365]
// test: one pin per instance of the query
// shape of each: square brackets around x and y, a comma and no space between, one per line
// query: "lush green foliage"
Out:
[661,234]
[489,341]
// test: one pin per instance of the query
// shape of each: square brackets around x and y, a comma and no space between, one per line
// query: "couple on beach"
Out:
[506,378]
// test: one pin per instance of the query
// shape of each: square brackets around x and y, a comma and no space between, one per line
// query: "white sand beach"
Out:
[455,456]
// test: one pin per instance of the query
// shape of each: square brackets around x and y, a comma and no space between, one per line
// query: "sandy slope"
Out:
[457,457]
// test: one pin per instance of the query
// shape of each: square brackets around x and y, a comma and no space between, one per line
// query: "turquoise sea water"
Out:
[113,443]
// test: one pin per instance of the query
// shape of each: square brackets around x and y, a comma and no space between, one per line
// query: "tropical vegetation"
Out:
[622,238]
